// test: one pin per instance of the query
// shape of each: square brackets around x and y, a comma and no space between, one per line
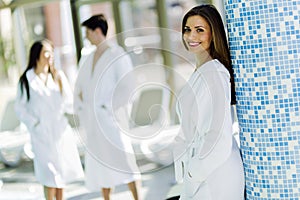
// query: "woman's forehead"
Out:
[47,47]
[196,20]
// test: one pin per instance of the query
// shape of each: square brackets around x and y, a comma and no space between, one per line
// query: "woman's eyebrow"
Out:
[199,26]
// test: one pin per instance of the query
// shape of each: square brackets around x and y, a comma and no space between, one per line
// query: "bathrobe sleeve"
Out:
[67,94]
[125,81]
[79,84]
[211,120]
[21,109]
[77,93]
[182,141]
[180,155]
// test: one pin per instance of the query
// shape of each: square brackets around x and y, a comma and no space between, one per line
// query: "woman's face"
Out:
[46,56]
[197,34]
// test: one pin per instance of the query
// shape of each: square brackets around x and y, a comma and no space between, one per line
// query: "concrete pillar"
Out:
[264,38]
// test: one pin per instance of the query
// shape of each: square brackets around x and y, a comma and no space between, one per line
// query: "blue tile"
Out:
[270,93]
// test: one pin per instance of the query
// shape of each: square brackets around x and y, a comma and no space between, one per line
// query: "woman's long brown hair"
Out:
[219,47]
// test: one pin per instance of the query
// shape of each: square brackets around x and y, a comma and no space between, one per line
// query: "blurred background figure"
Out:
[110,159]
[43,98]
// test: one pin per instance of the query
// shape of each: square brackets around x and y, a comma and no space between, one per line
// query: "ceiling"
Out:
[16,3]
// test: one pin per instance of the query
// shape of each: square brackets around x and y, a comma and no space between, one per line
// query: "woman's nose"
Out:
[192,35]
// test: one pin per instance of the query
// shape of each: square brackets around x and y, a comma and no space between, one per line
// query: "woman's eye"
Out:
[187,30]
[200,30]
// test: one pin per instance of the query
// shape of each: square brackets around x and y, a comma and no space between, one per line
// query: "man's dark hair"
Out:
[96,21]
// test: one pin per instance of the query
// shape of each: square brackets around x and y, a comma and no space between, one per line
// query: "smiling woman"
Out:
[207,156]
[197,34]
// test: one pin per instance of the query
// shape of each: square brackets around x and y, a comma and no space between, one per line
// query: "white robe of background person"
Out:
[56,158]
[110,158]
[207,158]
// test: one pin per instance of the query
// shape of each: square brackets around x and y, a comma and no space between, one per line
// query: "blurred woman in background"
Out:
[43,98]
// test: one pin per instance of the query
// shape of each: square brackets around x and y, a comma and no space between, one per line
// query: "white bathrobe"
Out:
[56,158]
[207,158]
[110,159]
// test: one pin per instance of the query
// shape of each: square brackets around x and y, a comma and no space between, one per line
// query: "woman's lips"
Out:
[194,44]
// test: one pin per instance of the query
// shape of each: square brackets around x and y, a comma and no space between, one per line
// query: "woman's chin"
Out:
[197,49]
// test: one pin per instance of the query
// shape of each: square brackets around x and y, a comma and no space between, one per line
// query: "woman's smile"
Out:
[194,44]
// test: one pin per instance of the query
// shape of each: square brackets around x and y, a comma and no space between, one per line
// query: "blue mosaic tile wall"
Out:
[264,37]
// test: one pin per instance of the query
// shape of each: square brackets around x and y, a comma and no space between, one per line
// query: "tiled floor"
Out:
[20,184]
